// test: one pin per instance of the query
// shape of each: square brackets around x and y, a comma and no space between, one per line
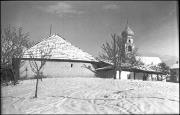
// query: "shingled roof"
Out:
[61,49]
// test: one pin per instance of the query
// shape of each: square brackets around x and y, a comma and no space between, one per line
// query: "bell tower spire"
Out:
[127,22]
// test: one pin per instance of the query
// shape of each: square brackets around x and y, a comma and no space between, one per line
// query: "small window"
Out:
[71,65]
[129,41]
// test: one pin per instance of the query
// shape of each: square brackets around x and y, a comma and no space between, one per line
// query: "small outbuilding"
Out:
[174,73]
[148,71]
[66,60]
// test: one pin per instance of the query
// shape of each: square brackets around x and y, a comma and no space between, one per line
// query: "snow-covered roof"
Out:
[149,60]
[148,68]
[106,61]
[150,64]
[145,60]
[61,49]
[175,66]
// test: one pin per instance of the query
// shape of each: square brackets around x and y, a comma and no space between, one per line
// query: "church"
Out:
[145,72]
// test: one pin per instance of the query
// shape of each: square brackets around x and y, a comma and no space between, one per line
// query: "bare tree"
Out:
[115,53]
[13,42]
[43,53]
[164,69]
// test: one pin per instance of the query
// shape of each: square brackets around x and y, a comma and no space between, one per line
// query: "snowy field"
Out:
[90,95]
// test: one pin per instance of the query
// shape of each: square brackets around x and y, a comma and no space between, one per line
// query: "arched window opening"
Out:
[129,41]
[129,48]
[71,65]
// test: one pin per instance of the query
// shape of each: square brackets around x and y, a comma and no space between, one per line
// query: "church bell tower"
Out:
[128,35]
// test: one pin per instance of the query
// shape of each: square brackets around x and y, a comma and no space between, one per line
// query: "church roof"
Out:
[150,65]
[149,60]
[61,49]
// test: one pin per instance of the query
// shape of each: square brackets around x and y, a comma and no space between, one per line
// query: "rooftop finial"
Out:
[127,24]
[128,30]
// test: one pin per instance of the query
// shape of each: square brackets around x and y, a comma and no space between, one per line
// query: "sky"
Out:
[89,24]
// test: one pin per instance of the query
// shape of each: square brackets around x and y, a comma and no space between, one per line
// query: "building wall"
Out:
[140,75]
[105,74]
[109,74]
[174,77]
[125,75]
[60,69]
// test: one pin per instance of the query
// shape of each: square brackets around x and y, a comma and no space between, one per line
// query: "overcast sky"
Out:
[89,24]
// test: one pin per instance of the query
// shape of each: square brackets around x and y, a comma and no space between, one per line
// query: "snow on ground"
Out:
[90,95]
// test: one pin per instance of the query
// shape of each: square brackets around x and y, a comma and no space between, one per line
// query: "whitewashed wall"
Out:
[124,75]
[60,69]
[139,76]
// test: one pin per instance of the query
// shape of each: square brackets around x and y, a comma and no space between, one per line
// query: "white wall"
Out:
[139,76]
[117,75]
[60,69]
[124,75]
